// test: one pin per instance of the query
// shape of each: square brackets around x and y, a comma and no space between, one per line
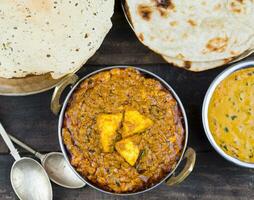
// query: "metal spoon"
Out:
[28,178]
[56,166]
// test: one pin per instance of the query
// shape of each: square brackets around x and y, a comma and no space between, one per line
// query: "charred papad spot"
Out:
[40,5]
[217,44]
[145,12]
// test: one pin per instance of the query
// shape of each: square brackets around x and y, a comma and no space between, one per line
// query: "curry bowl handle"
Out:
[55,104]
[190,155]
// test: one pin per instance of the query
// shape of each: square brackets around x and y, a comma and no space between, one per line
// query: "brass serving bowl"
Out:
[31,84]
[187,153]
[28,85]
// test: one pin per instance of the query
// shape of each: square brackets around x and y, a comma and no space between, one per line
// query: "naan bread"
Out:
[56,36]
[197,30]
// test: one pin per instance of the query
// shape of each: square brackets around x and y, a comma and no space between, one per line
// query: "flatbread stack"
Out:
[56,36]
[198,34]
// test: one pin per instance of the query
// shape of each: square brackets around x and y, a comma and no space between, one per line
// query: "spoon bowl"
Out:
[59,172]
[56,167]
[30,181]
[28,178]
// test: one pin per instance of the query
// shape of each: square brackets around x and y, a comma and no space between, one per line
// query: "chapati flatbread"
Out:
[196,66]
[56,36]
[201,66]
[197,30]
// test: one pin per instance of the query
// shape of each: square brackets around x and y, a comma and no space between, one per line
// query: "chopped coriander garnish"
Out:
[226,129]
[224,147]
[233,117]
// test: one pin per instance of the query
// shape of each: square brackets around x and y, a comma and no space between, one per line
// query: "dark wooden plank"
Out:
[30,119]
[212,179]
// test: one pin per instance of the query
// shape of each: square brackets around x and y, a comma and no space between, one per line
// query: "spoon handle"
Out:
[24,146]
[8,142]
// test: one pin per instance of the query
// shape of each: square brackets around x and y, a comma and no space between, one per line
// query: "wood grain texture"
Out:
[210,180]
[30,119]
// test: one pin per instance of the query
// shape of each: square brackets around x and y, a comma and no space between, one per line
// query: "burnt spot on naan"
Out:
[164,7]
[141,37]
[164,13]
[237,6]
[180,56]
[173,23]
[166,4]
[227,60]
[145,12]
[217,7]
[218,44]
[192,22]
[234,53]
[212,23]
[187,64]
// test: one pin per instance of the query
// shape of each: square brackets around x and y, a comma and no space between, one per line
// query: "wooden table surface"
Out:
[30,119]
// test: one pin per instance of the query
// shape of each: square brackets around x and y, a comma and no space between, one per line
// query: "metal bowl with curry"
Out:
[123,132]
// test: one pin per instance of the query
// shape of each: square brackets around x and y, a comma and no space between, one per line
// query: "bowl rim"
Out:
[224,74]
[144,71]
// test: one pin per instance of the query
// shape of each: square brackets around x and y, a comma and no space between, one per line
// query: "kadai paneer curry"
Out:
[123,131]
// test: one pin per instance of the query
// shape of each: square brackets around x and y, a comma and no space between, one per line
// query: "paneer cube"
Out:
[134,122]
[107,125]
[128,148]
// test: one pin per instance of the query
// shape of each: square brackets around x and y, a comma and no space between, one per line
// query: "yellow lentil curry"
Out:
[231,115]
[124,131]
